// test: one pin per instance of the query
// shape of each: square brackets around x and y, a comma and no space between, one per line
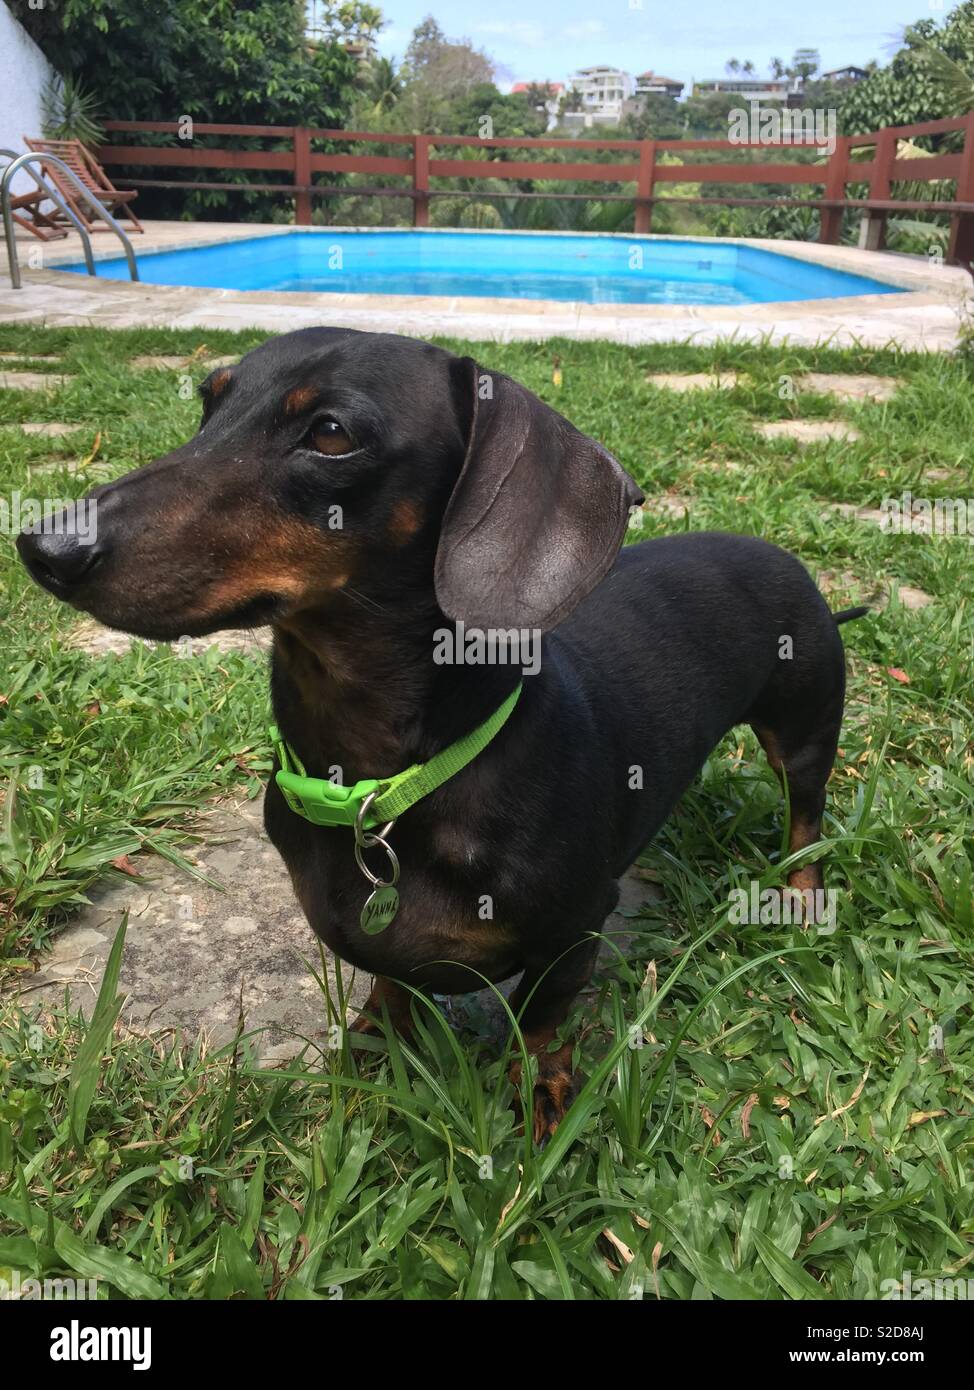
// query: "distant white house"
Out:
[652,84]
[600,95]
[24,73]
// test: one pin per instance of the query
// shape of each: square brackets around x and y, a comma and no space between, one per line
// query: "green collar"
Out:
[326,803]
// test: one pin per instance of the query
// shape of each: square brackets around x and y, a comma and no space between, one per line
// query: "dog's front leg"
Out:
[542,1001]
[397,1000]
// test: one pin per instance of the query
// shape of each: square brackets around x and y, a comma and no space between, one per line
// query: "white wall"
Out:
[24,73]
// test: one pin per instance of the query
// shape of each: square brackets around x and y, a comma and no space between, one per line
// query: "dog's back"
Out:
[686,637]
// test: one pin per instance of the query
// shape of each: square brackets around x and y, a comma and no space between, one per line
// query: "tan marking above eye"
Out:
[218,383]
[328,437]
[299,399]
[405,521]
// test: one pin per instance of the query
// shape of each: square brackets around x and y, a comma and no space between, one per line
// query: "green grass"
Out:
[797,1121]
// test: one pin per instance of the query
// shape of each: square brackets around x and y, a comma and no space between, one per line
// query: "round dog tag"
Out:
[379,910]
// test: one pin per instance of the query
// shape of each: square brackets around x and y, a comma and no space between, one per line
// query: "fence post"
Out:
[830,225]
[872,233]
[645,179]
[961,248]
[302,175]
[421,180]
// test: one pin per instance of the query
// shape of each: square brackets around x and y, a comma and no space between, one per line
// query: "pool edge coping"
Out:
[926,316]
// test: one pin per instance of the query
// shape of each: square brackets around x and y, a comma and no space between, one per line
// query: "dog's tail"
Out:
[847,615]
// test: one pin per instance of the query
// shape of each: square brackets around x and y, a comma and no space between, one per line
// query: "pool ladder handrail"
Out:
[26,161]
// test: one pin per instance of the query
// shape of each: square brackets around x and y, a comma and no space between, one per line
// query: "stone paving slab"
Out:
[849,386]
[93,470]
[95,639]
[808,431]
[33,381]
[196,957]
[875,516]
[876,594]
[161,362]
[28,357]
[50,430]
[670,504]
[911,597]
[696,381]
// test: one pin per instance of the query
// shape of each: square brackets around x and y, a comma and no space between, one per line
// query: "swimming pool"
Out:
[591,269]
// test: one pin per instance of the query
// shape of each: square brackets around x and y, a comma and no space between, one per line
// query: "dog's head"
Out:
[329,458]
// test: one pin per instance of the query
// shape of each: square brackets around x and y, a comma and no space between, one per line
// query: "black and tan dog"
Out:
[459,495]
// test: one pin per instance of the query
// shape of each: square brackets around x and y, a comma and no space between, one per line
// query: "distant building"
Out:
[753,88]
[552,102]
[843,75]
[652,84]
[599,95]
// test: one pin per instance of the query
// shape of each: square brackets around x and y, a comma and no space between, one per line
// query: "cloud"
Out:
[587,29]
[525,32]
[534,35]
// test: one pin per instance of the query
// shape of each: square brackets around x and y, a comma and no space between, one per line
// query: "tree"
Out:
[660,117]
[454,65]
[352,23]
[805,63]
[732,65]
[245,61]
[777,68]
[427,41]
[484,107]
[439,72]
[956,79]
[382,85]
[911,88]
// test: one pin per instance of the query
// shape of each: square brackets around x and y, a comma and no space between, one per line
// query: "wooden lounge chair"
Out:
[83,164]
[41,224]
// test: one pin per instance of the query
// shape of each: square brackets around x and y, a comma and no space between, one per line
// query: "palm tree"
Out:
[955,81]
[383,85]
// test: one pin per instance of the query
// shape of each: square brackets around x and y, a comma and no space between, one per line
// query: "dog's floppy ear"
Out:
[537,515]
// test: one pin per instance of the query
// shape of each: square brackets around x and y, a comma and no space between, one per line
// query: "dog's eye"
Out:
[326,436]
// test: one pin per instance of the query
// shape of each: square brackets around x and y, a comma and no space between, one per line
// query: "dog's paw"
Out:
[555,1087]
[368,1026]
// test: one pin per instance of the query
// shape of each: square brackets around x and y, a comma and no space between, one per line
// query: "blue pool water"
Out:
[594,269]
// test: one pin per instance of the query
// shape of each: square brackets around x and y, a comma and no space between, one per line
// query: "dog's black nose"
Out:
[57,561]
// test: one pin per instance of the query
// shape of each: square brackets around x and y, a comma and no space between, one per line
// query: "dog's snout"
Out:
[58,560]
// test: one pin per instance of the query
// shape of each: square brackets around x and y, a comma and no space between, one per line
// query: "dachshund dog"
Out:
[364,492]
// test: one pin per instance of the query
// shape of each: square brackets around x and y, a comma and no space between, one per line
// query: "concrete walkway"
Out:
[926,316]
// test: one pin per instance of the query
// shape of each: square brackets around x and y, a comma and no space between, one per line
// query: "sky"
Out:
[550,39]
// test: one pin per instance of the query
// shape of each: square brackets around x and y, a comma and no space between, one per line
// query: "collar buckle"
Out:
[324,803]
[316,799]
